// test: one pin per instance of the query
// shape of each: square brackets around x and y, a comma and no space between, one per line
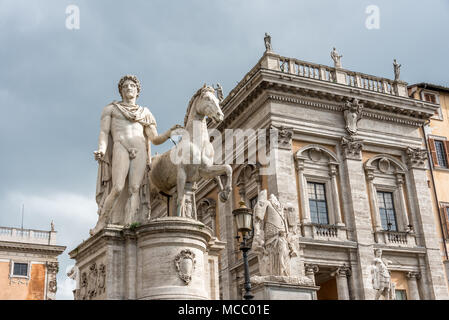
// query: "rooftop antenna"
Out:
[23,209]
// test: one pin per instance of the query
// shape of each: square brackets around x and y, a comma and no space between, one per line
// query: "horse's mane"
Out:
[199,92]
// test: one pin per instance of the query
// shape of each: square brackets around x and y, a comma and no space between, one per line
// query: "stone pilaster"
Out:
[52,285]
[434,278]
[282,176]
[412,278]
[359,214]
[225,233]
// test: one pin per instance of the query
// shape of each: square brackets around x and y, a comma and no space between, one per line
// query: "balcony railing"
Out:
[396,238]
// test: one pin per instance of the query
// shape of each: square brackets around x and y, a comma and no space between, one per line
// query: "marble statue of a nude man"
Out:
[128,131]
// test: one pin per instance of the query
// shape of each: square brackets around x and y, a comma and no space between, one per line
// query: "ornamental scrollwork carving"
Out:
[185,265]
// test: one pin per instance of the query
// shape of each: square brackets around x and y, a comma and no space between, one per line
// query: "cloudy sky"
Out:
[54,81]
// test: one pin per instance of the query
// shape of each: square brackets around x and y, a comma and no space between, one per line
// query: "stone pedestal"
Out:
[166,258]
[270,290]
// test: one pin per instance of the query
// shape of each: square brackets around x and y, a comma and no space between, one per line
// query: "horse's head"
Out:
[209,105]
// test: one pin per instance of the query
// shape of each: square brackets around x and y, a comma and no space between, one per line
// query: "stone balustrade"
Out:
[341,76]
[396,238]
[27,235]
[328,232]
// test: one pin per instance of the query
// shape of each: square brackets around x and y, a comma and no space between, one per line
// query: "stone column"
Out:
[305,212]
[360,217]
[412,278]
[373,200]
[400,183]
[434,277]
[341,276]
[335,195]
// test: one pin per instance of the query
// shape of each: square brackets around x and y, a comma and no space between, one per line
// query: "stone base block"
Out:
[283,291]
[166,258]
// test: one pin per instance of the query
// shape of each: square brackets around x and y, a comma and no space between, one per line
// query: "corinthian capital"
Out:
[352,148]
[416,157]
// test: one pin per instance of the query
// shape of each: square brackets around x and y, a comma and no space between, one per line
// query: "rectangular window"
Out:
[441,153]
[317,203]
[401,295]
[387,213]
[20,269]
[430,97]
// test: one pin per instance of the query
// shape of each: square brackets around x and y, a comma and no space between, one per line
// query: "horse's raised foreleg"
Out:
[180,185]
[215,171]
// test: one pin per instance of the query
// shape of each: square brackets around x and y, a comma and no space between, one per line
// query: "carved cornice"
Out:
[377,105]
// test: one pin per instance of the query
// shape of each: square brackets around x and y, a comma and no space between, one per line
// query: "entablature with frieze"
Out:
[320,94]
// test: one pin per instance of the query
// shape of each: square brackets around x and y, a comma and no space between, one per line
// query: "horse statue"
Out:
[196,153]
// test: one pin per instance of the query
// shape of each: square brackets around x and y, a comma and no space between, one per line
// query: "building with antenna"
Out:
[28,264]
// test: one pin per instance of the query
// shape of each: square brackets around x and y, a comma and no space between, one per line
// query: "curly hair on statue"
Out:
[133,79]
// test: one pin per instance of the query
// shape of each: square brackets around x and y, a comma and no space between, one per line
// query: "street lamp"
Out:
[244,221]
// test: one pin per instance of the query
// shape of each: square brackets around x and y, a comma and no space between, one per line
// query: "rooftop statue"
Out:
[397,70]
[336,58]
[267,40]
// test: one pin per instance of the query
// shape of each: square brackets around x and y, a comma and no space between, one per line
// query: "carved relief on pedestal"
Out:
[52,287]
[352,148]
[185,265]
[416,157]
[93,282]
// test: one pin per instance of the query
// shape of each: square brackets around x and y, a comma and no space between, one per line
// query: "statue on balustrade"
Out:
[397,70]
[267,40]
[275,237]
[124,156]
[336,58]
[382,277]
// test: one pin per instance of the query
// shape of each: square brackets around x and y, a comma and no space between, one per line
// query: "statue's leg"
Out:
[136,173]
[180,184]
[120,168]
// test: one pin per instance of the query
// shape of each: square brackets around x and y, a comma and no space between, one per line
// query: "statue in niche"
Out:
[397,70]
[352,114]
[124,156]
[382,278]
[267,40]
[274,240]
[336,58]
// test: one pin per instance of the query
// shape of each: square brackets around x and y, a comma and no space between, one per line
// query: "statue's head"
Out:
[129,86]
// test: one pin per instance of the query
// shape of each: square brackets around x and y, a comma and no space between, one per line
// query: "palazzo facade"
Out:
[350,163]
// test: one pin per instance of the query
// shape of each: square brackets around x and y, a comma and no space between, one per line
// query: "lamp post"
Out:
[244,221]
